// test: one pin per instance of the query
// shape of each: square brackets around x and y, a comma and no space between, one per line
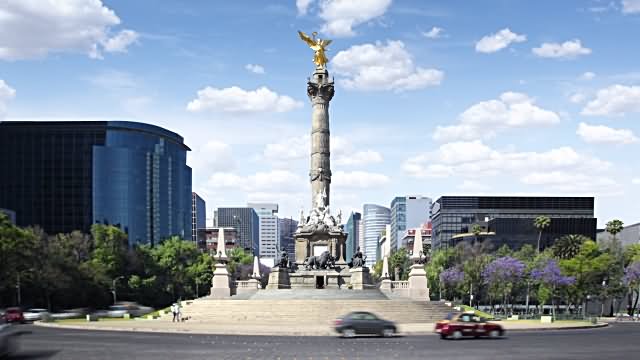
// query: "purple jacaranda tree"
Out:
[451,278]
[550,276]
[501,275]
[632,280]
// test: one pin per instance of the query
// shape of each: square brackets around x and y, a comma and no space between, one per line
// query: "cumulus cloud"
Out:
[434,33]
[474,186]
[274,180]
[498,41]
[577,98]
[603,134]
[254,68]
[359,179]
[341,16]
[34,28]
[631,6]
[235,99]
[360,158]
[614,100]
[587,76]
[486,118]
[380,66]
[567,50]
[635,181]
[561,169]
[303,6]
[6,93]
[213,156]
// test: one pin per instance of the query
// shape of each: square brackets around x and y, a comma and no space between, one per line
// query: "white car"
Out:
[35,314]
[118,311]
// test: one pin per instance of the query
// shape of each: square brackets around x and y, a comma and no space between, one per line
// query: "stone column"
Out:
[320,91]
[220,282]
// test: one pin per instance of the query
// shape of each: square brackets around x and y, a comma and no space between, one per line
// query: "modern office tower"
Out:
[374,219]
[198,215]
[268,229]
[509,219]
[68,175]
[247,224]
[286,229]
[408,212]
[352,228]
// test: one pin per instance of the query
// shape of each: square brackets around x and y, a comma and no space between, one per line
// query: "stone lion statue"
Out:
[324,261]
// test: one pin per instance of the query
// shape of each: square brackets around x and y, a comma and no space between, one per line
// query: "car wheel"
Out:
[443,336]
[494,334]
[388,332]
[457,335]
[348,333]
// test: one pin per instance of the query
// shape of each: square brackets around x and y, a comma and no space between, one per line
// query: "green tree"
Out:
[440,259]
[399,262]
[174,258]
[613,227]
[238,256]
[17,254]
[201,271]
[541,223]
[476,229]
[568,246]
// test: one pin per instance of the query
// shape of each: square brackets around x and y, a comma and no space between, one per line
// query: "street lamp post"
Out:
[113,287]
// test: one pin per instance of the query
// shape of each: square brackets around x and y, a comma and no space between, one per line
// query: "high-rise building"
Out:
[268,229]
[509,219]
[374,219]
[68,175]
[407,212]
[352,228]
[247,224]
[286,229]
[198,215]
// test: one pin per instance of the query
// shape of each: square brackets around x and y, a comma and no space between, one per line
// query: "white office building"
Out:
[268,235]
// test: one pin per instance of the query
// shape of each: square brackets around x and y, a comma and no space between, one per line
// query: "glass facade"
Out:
[198,217]
[286,229]
[511,217]
[407,212]
[352,228]
[374,219]
[247,224]
[66,176]
[267,230]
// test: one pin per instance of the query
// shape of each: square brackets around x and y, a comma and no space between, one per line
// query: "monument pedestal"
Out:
[418,284]
[360,278]
[279,279]
[220,282]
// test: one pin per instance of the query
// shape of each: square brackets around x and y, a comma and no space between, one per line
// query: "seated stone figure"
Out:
[358,259]
[284,259]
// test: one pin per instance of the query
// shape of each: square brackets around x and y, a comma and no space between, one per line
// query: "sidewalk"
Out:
[288,329]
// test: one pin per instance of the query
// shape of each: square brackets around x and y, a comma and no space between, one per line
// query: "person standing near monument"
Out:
[174,311]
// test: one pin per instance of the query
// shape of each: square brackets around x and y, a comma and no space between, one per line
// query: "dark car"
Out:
[361,322]
[457,326]
[13,315]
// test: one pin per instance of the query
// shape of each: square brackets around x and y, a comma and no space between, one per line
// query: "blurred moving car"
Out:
[13,315]
[133,309]
[457,326]
[35,314]
[8,338]
[362,322]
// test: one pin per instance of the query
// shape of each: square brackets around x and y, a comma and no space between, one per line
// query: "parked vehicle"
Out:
[35,314]
[133,309]
[457,326]
[13,315]
[361,322]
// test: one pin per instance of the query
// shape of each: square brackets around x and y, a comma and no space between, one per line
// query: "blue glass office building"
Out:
[66,176]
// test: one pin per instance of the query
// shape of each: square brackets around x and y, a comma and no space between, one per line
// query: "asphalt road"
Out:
[619,341]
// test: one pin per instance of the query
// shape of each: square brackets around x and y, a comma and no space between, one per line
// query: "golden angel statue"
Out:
[318,45]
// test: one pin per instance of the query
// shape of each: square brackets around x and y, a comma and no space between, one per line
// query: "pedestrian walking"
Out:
[179,307]
[174,311]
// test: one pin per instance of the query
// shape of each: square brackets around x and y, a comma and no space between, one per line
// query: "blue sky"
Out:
[432,97]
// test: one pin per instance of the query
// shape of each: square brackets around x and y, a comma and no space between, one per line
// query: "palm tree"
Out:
[613,227]
[541,222]
[476,230]
[568,246]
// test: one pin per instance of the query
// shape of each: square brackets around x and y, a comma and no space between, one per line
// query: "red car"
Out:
[13,315]
[467,324]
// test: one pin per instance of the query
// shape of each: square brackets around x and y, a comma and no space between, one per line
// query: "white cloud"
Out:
[635,181]
[614,100]
[434,33]
[577,98]
[603,134]
[121,41]
[382,67]
[274,180]
[254,68]
[498,41]
[213,156]
[341,16]
[474,186]
[235,99]
[360,158]
[567,50]
[293,148]
[303,6]
[359,179]
[486,118]
[571,182]
[587,76]
[6,93]
[35,28]
[631,6]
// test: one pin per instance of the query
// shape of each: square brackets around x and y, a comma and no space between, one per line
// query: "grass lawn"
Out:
[83,320]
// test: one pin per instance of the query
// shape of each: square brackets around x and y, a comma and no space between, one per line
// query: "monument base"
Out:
[360,278]
[220,282]
[320,279]
[418,284]
[279,279]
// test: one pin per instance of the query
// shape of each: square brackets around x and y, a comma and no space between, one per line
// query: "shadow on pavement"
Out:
[28,355]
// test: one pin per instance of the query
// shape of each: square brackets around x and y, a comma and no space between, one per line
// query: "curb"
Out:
[270,333]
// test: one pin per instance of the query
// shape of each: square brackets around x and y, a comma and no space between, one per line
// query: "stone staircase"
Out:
[284,307]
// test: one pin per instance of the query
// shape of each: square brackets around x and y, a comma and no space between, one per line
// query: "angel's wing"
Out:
[325,43]
[306,38]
